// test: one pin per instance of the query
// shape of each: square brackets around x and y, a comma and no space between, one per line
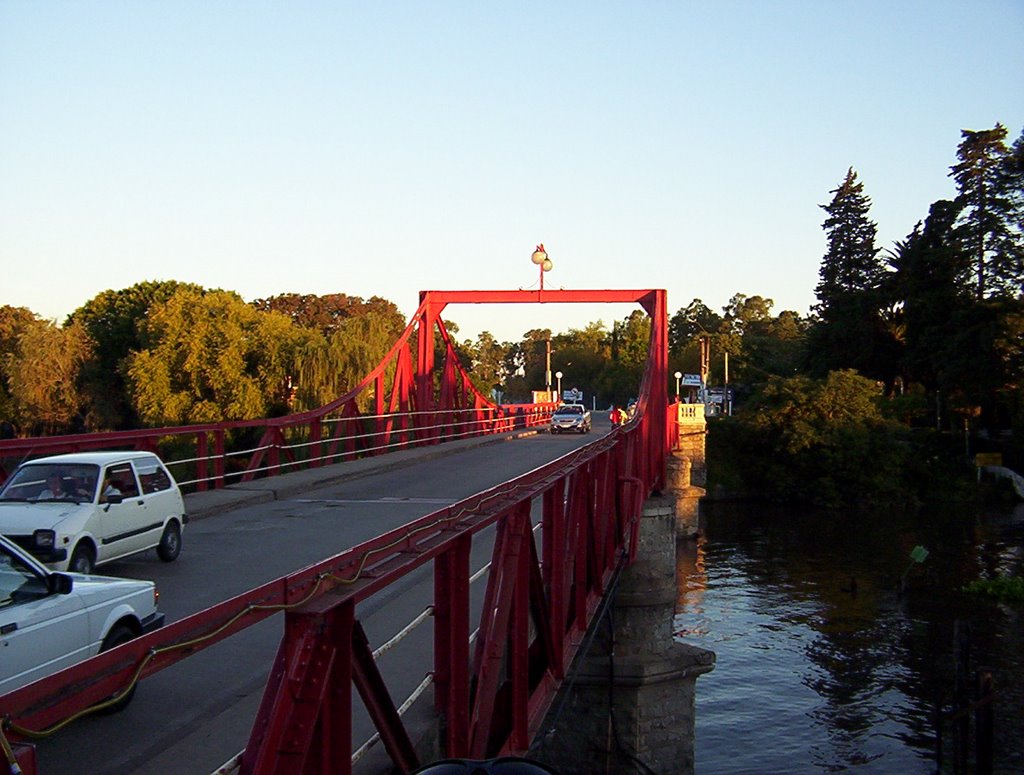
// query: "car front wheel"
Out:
[82,560]
[170,542]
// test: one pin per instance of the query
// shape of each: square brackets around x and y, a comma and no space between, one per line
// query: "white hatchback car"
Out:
[77,511]
[49,621]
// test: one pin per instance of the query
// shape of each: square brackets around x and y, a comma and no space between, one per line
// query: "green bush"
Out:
[826,443]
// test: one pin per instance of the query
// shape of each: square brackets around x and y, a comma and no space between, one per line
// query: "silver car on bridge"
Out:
[570,418]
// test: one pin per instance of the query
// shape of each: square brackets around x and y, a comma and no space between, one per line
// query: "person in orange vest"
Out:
[623,416]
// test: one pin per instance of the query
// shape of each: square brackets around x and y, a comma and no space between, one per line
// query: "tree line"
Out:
[931,330]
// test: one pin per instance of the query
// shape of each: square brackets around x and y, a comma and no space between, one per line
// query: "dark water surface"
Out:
[823,665]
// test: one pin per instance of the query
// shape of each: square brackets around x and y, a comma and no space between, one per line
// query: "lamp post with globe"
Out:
[679,376]
[540,258]
[558,376]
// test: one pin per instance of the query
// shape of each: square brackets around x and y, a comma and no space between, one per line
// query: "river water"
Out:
[823,663]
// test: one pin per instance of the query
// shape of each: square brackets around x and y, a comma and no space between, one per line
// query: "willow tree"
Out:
[209,357]
[329,367]
[114,320]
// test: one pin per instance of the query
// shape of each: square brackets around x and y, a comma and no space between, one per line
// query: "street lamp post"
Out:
[679,376]
[558,376]
[540,257]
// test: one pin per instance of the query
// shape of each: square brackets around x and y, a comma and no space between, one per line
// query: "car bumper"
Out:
[152,622]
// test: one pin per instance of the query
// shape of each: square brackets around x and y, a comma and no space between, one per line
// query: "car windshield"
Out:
[52,482]
[569,410]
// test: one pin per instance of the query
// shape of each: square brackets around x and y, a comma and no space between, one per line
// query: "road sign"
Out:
[691,380]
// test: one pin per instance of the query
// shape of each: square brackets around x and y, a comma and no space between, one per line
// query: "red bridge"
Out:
[491,689]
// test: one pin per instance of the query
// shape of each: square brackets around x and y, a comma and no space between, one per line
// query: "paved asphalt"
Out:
[212,502]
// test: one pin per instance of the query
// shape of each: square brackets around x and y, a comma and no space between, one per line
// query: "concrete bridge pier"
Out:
[630,705]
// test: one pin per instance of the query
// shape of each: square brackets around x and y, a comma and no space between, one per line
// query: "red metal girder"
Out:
[451,645]
[427,316]
[494,629]
[378,703]
[269,446]
[519,635]
[440,299]
[555,551]
[545,658]
[282,736]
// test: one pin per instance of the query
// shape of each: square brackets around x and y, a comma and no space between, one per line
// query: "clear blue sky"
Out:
[384,148]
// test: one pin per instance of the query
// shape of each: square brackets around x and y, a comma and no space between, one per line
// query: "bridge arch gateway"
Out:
[491,689]
[653,396]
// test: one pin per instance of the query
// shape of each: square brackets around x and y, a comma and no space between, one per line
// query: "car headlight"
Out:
[44,539]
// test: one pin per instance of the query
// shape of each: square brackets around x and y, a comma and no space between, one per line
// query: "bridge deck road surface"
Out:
[194,716]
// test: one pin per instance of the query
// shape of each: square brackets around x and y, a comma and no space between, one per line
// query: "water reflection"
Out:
[824,664]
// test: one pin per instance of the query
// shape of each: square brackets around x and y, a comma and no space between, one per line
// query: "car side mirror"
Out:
[59,583]
[115,498]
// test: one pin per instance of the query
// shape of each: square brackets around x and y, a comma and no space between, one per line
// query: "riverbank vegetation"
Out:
[1009,589]
[909,364]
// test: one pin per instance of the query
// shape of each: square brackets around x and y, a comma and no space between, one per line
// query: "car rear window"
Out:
[152,475]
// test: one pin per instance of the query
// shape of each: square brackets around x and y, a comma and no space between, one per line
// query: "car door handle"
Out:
[6,629]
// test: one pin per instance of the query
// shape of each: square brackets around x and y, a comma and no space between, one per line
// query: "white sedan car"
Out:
[570,418]
[49,621]
[77,511]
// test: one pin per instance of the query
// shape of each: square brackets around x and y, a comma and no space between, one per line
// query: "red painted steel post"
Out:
[425,360]
[656,306]
[554,568]
[519,662]
[283,735]
[380,423]
[316,448]
[451,645]
[202,464]
[218,460]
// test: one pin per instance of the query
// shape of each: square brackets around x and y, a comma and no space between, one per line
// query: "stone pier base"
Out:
[678,472]
[630,704]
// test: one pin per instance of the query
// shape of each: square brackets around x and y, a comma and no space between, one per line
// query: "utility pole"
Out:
[705,361]
[547,365]
[726,403]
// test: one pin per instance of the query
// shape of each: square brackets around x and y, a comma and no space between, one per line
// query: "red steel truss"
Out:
[537,609]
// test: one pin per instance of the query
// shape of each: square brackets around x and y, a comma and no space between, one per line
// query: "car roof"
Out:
[98,458]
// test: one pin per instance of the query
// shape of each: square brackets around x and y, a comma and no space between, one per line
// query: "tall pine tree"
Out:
[851,264]
[850,330]
[988,182]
